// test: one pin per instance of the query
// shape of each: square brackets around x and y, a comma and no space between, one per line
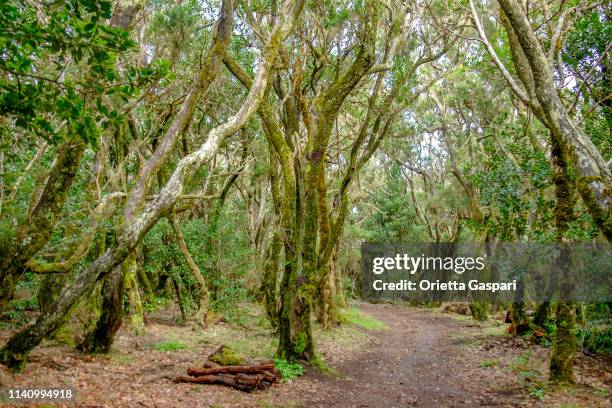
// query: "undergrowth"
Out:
[170,346]
[289,371]
[355,316]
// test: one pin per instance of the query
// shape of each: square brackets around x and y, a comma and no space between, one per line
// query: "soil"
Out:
[422,358]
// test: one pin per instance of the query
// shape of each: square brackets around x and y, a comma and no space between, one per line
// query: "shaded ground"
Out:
[421,358]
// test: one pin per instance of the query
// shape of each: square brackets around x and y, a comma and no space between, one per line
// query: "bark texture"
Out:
[34,232]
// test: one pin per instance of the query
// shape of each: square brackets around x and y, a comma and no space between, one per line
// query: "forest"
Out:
[181,178]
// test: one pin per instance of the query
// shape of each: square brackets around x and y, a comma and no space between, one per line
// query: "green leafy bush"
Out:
[289,371]
[599,339]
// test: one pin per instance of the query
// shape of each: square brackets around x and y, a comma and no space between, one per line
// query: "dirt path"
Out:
[427,359]
[413,362]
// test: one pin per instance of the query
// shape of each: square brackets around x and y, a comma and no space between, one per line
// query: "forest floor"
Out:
[385,356]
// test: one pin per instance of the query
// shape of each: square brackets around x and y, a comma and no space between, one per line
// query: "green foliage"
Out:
[170,346]
[529,374]
[156,303]
[599,339]
[221,261]
[509,188]
[392,221]
[59,62]
[289,371]
[300,343]
[537,391]
[602,392]
[584,51]
[25,304]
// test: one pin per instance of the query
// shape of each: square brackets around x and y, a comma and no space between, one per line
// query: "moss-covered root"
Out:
[480,311]
[564,346]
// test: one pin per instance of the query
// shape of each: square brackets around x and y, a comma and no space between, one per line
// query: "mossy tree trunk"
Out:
[35,231]
[520,320]
[542,314]
[270,277]
[130,270]
[272,256]
[594,178]
[564,345]
[481,309]
[290,328]
[300,214]
[101,337]
[564,340]
[50,288]
[202,295]
[339,278]
[179,292]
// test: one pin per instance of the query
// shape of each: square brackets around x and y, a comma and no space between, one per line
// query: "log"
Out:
[240,381]
[241,377]
[253,369]
[216,379]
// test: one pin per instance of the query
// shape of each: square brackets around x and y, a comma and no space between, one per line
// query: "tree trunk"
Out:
[201,288]
[328,314]
[34,232]
[594,178]
[50,288]
[101,338]
[177,281]
[564,340]
[520,321]
[268,284]
[130,270]
[564,345]
[340,291]
[542,314]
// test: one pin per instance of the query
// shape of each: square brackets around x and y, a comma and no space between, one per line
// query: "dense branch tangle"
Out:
[14,352]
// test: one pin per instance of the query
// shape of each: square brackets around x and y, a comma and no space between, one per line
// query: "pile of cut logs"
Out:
[247,378]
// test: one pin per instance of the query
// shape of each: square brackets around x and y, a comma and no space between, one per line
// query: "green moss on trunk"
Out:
[50,289]
[542,314]
[268,284]
[130,271]
[328,314]
[564,345]
[34,232]
[100,339]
